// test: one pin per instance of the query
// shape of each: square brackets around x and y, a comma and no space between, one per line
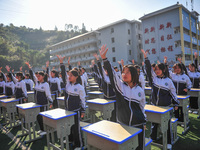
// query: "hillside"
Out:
[21,44]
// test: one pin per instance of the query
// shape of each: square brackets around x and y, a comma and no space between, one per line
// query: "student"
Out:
[194,76]
[130,97]
[42,95]
[20,86]
[2,82]
[29,83]
[74,100]
[163,93]
[182,84]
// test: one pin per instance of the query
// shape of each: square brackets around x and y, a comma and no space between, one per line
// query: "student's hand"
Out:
[195,55]
[27,63]
[96,56]
[50,106]
[82,115]
[60,58]
[7,68]
[165,59]
[176,108]
[103,51]
[142,63]
[186,90]
[133,61]
[144,53]
[122,62]
[47,63]
[68,60]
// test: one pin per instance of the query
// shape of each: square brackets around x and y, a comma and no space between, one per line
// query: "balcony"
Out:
[74,46]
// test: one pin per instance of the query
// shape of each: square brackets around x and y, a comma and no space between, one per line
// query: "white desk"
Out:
[58,120]
[9,107]
[107,135]
[103,105]
[28,114]
[160,115]
[195,92]
[184,99]
[95,94]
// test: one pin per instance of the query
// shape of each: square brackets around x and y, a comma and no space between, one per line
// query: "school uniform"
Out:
[74,101]
[42,96]
[130,103]
[194,78]
[163,94]
[29,84]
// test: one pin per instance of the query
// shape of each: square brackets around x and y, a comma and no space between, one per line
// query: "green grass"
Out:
[189,141]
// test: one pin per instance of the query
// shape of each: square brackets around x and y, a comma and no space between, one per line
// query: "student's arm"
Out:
[62,67]
[148,67]
[116,83]
[172,88]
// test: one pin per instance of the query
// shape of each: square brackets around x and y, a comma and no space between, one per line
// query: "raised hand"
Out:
[7,68]
[60,58]
[96,56]
[144,53]
[103,51]
[122,62]
[133,61]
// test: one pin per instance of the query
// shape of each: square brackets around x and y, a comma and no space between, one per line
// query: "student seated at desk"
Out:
[163,93]
[42,95]
[74,100]
[130,97]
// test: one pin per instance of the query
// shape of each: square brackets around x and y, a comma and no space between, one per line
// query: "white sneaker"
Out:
[169,146]
[43,133]
[195,112]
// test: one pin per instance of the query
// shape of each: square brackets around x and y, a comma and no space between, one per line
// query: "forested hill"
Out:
[21,44]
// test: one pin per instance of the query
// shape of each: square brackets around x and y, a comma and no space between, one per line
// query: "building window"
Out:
[113,40]
[112,30]
[129,42]
[114,59]
[129,31]
[113,49]
[130,52]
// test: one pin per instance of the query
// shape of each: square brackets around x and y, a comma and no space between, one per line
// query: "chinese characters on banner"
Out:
[162,38]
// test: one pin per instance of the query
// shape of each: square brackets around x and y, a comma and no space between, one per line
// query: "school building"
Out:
[123,38]
[171,32]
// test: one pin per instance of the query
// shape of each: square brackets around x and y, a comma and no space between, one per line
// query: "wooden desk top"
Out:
[60,98]
[100,101]
[9,100]
[112,131]
[147,88]
[57,113]
[183,96]
[30,92]
[195,89]
[95,92]
[3,96]
[157,109]
[28,105]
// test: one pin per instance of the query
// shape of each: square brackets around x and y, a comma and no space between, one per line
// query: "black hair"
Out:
[134,74]
[44,75]
[76,74]
[56,72]
[163,68]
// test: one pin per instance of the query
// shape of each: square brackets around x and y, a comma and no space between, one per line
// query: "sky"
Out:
[93,13]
